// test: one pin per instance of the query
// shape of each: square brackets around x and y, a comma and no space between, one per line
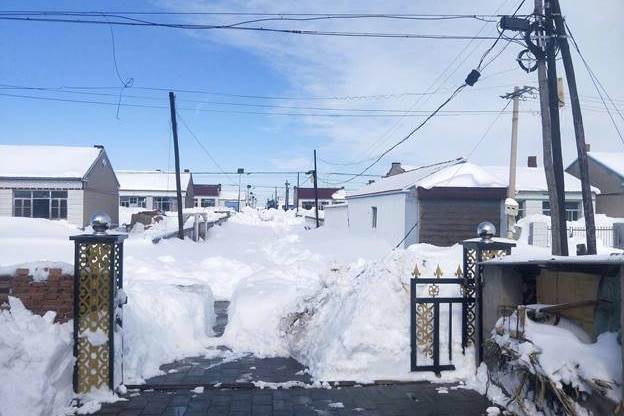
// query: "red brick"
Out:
[67,283]
[22,272]
[55,271]
[36,296]
[50,296]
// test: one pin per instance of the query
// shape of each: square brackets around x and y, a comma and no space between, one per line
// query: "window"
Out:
[573,210]
[40,204]
[521,210]
[165,203]
[207,202]
[307,204]
[132,201]
[374,223]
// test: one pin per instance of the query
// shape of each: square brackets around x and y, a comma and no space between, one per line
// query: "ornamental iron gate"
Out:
[429,314]
[98,300]
[426,318]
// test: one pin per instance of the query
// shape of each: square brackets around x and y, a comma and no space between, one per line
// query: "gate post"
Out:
[478,250]
[98,300]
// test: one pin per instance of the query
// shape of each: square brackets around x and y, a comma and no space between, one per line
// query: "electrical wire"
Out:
[597,84]
[127,21]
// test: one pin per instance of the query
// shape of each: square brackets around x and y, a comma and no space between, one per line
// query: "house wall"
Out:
[337,216]
[600,177]
[75,211]
[390,216]
[411,218]
[101,191]
[533,201]
[6,202]
[444,222]
[610,205]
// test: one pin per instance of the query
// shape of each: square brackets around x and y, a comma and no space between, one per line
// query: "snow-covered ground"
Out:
[337,302]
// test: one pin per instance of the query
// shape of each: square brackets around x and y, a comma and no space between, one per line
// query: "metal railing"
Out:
[604,234]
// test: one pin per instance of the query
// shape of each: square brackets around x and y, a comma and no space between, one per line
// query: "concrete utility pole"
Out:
[174,127]
[240,173]
[287,189]
[511,189]
[579,131]
[558,221]
[296,195]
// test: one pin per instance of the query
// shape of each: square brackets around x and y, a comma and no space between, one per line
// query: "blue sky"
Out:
[282,65]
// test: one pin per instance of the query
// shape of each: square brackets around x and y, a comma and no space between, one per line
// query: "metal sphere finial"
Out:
[486,230]
[100,221]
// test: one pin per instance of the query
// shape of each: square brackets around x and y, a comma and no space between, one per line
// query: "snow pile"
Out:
[541,376]
[269,217]
[356,327]
[164,322]
[39,270]
[36,363]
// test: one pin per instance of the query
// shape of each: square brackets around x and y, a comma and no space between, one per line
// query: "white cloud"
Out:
[337,67]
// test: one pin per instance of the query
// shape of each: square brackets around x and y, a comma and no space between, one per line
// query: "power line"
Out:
[450,113]
[127,21]
[201,145]
[597,83]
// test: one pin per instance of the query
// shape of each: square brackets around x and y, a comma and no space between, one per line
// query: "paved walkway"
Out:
[230,386]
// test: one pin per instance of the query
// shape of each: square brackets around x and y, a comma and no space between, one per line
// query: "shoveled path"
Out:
[226,389]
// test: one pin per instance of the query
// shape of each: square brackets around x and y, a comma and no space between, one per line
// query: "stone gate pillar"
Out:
[98,300]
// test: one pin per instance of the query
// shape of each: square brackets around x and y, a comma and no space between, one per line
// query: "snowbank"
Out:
[357,326]
[164,322]
[36,363]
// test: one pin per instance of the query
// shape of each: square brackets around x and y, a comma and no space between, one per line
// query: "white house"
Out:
[57,182]
[532,191]
[154,189]
[440,205]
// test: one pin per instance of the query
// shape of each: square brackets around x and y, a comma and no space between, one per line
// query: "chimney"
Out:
[99,146]
[396,165]
[532,161]
[587,147]
[187,171]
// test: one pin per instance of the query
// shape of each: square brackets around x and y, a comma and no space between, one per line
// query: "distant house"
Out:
[304,197]
[206,195]
[57,182]
[606,172]
[532,191]
[154,189]
[439,205]
[229,199]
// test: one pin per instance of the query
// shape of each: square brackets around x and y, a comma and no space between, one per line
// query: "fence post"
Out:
[618,235]
[98,300]
[538,234]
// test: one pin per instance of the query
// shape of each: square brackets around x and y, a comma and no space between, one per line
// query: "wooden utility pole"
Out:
[579,131]
[316,207]
[296,195]
[174,127]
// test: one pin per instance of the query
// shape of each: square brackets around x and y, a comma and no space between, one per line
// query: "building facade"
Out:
[154,190]
[57,183]
[206,195]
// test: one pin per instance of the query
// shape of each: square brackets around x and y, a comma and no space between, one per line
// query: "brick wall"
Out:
[55,294]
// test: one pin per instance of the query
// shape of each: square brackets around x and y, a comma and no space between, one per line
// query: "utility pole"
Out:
[558,221]
[316,206]
[511,190]
[240,173]
[287,189]
[579,130]
[174,127]
[296,195]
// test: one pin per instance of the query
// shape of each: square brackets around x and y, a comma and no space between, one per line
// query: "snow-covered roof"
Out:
[458,174]
[612,161]
[151,180]
[46,161]
[533,179]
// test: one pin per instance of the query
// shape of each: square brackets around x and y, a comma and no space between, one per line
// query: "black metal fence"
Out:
[427,313]
[604,234]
